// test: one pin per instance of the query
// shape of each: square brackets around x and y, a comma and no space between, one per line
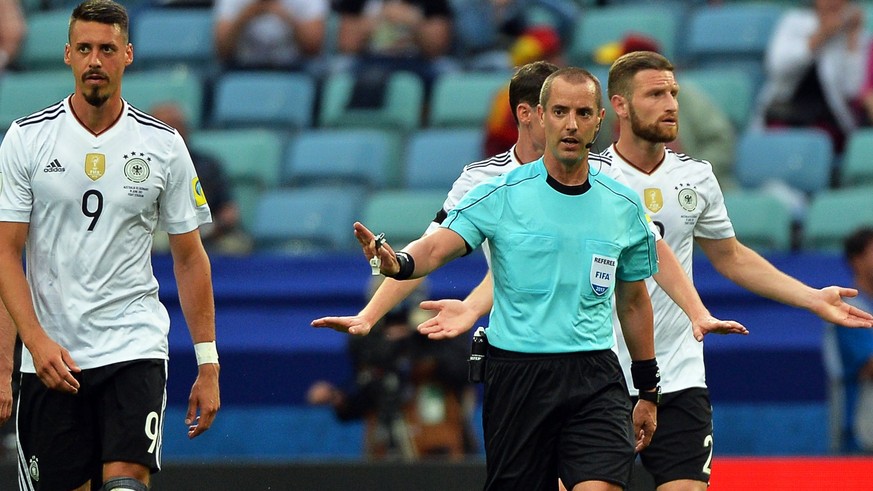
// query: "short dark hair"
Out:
[623,70]
[575,75]
[858,242]
[104,12]
[527,82]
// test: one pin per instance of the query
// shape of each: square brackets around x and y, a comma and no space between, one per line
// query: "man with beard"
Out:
[683,198]
[84,184]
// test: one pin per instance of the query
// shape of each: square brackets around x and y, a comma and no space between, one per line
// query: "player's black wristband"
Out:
[645,374]
[407,266]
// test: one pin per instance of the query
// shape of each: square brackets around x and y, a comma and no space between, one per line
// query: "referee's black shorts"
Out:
[562,415]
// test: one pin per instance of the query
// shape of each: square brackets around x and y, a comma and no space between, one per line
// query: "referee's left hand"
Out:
[645,422]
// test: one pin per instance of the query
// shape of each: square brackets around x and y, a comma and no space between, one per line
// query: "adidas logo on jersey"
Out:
[54,166]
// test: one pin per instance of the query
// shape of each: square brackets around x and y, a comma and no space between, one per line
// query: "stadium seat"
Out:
[464,99]
[761,221]
[435,158]
[857,165]
[801,158]
[264,99]
[251,160]
[43,47]
[400,111]
[730,89]
[163,37]
[610,24]
[403,215]
[307,220]
[144,89]
[23,93]
[834,214]
[359,156]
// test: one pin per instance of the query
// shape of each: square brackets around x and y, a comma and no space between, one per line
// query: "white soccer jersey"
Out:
[684,200]
[479,172]
[93,203]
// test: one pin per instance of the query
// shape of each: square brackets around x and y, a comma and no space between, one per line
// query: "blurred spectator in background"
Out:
[411,391]
[539,43]
[224,235]
[815,66]
[280,34]
[390,35]
[12,31]
[854,350]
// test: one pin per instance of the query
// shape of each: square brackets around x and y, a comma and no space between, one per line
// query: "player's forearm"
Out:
[15,294]
[676,283]
[7,345]
[194,282]
[434,250]
[390,293]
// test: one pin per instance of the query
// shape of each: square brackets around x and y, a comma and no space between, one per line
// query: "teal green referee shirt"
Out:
[556,253]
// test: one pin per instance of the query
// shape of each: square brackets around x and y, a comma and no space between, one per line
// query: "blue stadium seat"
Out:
[609,24]
[834,214]
[801,158]
[165,37]
[145,89]
[464,99]
[249,98]
[400,111]
[23,93]
[308,220]
[857,165]
[43,47]
[402,214]
[435,158]
[761,221]
[365,157]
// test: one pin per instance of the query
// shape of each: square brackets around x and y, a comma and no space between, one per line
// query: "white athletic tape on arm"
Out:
[206,353]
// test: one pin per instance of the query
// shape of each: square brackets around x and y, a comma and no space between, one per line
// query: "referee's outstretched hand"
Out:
[645,423]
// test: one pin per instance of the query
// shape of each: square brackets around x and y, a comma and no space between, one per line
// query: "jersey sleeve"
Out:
[183,205]
[16,194]
[714,222]
[640,259]
[476,216]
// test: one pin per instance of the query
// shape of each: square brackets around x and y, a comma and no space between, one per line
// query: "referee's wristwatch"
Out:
[651,396]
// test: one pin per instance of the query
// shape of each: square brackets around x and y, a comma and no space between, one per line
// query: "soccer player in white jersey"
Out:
[85,183]
[683,198]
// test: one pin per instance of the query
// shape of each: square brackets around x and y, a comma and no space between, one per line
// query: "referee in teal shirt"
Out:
[564,241]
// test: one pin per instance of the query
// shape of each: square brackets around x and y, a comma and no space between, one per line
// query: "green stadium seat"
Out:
[43,47]
[401,109]
[436,157]
[403,215]
[834,214]
[464,99]
[761,221]
[610,24]
[252,98]
[23,93]
[144,89]
[165,37]
[800,157]
[731,89]
[856,168]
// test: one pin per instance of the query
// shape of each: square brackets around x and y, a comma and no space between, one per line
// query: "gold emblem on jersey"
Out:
[95,165]
[653,199]
[197,191]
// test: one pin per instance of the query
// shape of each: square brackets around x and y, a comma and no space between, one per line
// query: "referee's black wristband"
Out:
[645,374]
[407,266]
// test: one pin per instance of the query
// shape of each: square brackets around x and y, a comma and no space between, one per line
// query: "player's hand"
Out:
[6,401]
[367,239]
[645,423]
[829,305]
[453,317]
[204,401]
[711,325]
[54,366]
[355,324]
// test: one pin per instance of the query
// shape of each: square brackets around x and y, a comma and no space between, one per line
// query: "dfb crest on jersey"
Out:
[688,199]
[602,273]
[653,199]
[95,165]
[136,170]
